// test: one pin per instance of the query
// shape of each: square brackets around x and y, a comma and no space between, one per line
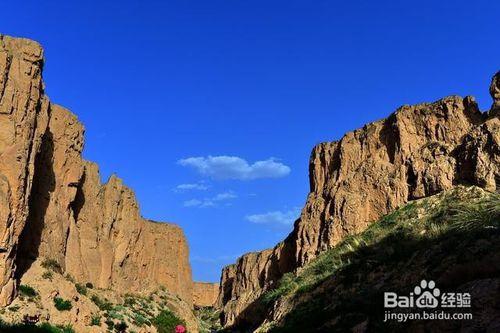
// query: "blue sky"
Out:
[209,109]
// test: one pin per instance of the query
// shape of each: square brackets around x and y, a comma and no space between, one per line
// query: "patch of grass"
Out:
[119,308]
[28,291]
[53,265]
[166,321]
[115,315]
[286,284]
[81,289]
[140,320]
[471,216]
[62,304]
[103,305]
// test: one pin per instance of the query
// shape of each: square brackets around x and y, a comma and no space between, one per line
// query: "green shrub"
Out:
[81,289]
[27,290]
[110,323]
[95,320]
[47,275]
[102,305]
[166,321]
[121,327]
[52,264]
[89,285]
[62,304]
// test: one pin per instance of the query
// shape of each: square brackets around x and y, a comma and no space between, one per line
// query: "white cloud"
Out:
[233,167]
[192,203]
[275,217]
[211,202]
[201,186]
[224,196]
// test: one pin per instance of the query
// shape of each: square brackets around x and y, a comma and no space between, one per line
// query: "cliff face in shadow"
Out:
[416,152]
[53,205]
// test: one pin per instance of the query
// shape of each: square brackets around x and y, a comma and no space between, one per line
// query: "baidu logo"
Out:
[426,295]
[428,303]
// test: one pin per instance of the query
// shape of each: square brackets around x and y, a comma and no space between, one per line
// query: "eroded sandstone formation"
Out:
[24,114]
[205,294]
[416,152]
[52,202]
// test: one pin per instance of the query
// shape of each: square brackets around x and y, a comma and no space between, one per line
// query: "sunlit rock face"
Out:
[52,202]
[205,294]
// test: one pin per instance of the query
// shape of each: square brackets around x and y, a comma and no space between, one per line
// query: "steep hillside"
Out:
[416,152]
[53,207]
[452,238]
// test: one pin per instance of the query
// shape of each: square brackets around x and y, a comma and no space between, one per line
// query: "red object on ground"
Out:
[180,329]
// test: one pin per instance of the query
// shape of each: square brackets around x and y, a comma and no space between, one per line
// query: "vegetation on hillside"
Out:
[423,239]
[208,319]
[52,265]
[27,291]
[136,312]
[166,321]
[62,304]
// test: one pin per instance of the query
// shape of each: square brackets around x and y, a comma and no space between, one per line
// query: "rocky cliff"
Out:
[416,152]
[205,294]
[52,202]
